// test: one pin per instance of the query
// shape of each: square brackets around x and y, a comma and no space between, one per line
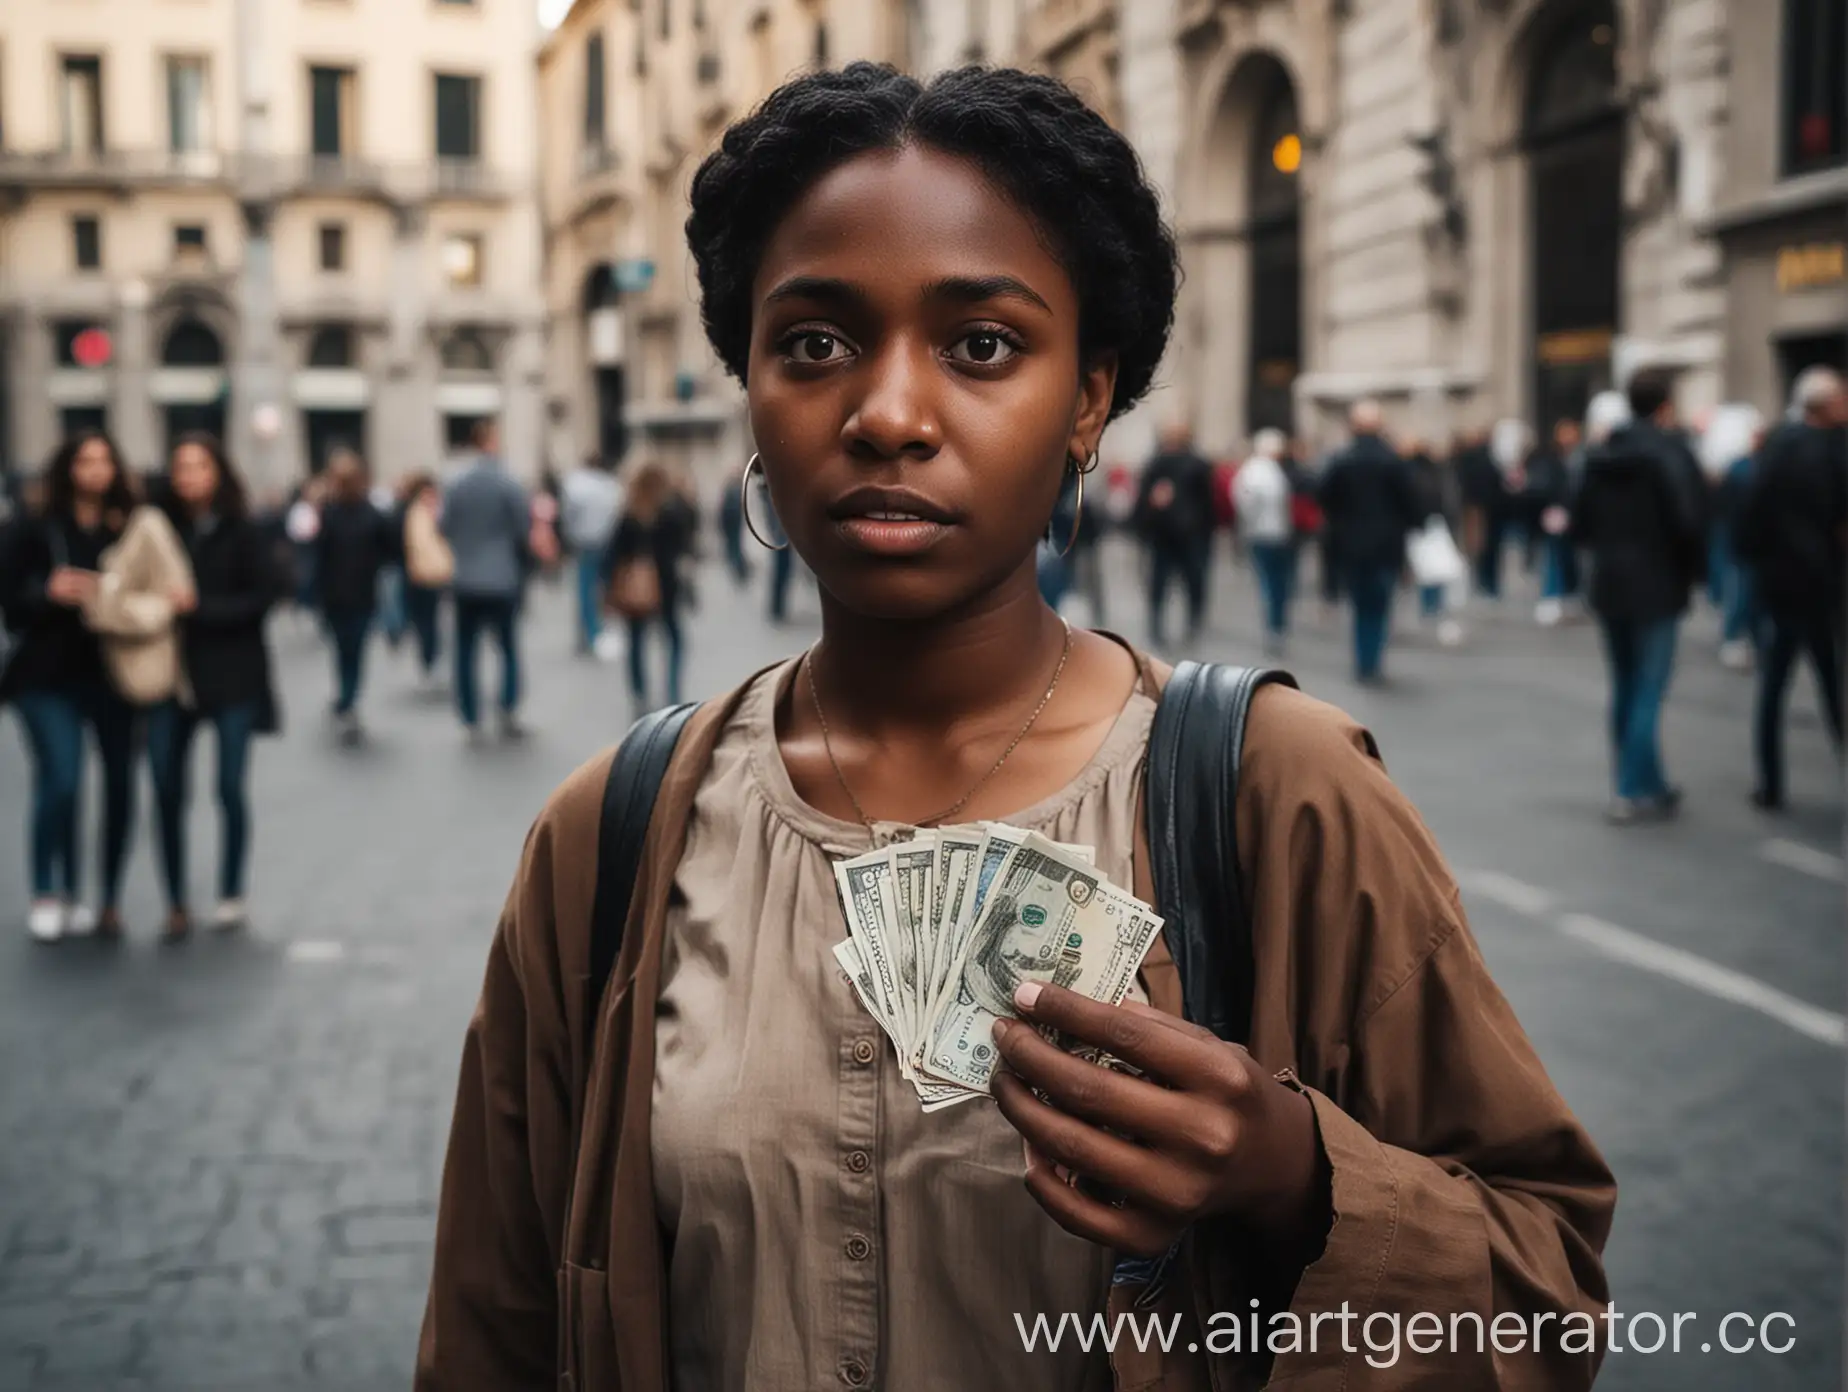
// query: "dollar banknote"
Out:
[941,928]
[1047,917]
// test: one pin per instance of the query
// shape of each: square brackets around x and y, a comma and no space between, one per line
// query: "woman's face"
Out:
[194,475]
[915,385]
[93,471]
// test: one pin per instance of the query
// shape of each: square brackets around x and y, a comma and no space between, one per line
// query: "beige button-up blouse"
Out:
[822,1230]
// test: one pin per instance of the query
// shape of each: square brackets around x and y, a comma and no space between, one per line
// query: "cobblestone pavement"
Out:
[221,1160]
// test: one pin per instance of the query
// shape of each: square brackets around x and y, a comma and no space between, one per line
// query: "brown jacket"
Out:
[1460,1181]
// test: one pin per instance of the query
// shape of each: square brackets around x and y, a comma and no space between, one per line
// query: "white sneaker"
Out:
[79,921]
[1548,613]
[1450,633]
[230,915]
[45,920]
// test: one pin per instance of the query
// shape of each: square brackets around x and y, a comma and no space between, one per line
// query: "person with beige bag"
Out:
[429,567]
[56,680]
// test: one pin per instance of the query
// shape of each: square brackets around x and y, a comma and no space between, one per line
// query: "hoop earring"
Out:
[1078,511]
[744,503]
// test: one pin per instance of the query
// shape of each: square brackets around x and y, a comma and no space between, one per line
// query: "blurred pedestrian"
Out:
[1549,495]
[356,544]
[226,661]
[302,525]
[1428,485]
[429,569]
[1371,502]
[1174,518]
[1261,501]
[54,678]
[1486,507]
[1633,518]
[641,572]
[1727,448]
[731,533]
[1791,532]
[590,499]
[488,524]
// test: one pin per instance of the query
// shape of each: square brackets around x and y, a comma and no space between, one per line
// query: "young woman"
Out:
[355,544]
[655,532]
[56,681]
[227,665]
[936,298]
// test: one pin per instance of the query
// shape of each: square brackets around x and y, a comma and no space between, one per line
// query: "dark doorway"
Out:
[192,343]
[1797,355]
[1574,140]
[608,381]
[459,432]
[327,431]
[72,419]
[1276,253]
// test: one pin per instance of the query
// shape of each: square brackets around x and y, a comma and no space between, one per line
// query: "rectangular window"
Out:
[593,91]
[80,103]
[87,243]
[461,260]
[1815,84]
[189,241]
[333,246]
[458,117]
[189,124]
[330,101]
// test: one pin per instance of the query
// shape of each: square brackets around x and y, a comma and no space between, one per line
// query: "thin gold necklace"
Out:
[827,741]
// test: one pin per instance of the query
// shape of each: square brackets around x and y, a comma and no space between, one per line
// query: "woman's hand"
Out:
[1210,1134]
[184,599]
[70,586]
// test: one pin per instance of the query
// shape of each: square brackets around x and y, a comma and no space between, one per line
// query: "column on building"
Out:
[133,421]
[407,429]
[522,370]
[35,418]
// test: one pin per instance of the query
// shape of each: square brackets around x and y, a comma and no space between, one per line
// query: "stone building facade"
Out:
[633,97]
[296,225]
[1472,209]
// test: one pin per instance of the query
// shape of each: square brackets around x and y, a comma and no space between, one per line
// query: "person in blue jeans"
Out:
[356,545]
[1636,522]
[1261,500]
[656,530]
[56,681]
[1371,501]
[486,520]
[226,660]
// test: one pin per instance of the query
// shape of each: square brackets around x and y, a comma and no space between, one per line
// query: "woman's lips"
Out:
[892,533]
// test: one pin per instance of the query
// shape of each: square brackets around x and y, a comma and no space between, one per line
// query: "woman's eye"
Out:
[984,348]
[815,346]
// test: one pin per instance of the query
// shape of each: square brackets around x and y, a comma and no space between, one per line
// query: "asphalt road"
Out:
[220,1161]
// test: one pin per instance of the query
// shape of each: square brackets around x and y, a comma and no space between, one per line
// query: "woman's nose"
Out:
[897,411]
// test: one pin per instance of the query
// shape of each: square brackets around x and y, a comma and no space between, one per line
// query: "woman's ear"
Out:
[1096,390]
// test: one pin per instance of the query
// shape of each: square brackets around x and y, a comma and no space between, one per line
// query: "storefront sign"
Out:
[1575,346]
[1811,265]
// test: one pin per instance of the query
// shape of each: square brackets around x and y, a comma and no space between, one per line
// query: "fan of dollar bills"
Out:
[943,927]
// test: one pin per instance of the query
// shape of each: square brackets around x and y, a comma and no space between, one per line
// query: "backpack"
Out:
[1195,746]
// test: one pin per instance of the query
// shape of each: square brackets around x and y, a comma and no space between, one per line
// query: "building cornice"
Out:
[1810,193]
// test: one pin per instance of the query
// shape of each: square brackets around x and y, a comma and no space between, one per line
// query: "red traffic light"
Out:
[92,348]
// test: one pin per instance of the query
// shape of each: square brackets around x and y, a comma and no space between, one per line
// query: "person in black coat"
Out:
[355,544]
[55,680]
[1638,525]
[226,659]
[1793,532]
[1174,516]
[656,530]
[1548,497]
[1370,500]
[1487,508]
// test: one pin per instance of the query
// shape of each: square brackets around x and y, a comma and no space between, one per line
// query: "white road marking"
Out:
[316,950]
[1649,955]
[1509,892]
[1794,855]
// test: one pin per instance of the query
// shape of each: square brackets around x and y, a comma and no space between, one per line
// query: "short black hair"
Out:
[1075,176]
[1651,389]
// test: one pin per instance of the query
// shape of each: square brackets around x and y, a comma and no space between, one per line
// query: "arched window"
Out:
[190,343]
[1574,137]
[331,346]
[466,351]
[1274,163]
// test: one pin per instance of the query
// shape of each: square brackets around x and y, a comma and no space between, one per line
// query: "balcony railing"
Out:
[257,177]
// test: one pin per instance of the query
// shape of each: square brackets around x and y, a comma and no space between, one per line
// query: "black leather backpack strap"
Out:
[628,803]
[1195,746]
